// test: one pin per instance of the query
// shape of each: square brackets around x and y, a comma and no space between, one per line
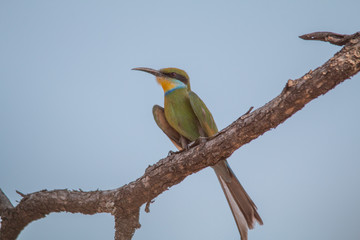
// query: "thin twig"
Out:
[147,207]
[20,193]
[248,111]
[333,38]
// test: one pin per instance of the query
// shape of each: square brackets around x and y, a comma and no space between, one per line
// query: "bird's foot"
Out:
[198,141]
[202,139]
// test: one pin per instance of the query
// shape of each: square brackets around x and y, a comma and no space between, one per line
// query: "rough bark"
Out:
[4,202]
[124,202]
[126,224]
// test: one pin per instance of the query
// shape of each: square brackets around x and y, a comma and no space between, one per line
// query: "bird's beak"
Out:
[149,70]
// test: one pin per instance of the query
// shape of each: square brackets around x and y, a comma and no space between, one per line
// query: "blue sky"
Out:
[73,115]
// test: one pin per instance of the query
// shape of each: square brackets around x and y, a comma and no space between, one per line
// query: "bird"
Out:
[184,119]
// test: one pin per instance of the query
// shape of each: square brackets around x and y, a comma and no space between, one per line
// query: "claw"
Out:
[187,147]
[198,141]
[202,139]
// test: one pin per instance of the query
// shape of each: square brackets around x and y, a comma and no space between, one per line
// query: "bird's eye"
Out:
[173,74]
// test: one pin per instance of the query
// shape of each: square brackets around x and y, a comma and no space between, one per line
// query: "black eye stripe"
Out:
[177,76]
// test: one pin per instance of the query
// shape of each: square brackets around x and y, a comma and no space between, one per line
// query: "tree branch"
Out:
[124,202]
[4,202]
[37,205]
[333,38]
[126,224]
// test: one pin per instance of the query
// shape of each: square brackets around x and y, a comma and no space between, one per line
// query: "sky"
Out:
[73,114]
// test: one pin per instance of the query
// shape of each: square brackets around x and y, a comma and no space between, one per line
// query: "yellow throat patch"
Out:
[166,84]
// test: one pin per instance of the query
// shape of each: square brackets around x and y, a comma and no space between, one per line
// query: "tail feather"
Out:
[242,207]
[239,217]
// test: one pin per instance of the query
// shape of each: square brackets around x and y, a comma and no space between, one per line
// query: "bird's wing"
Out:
[203,114]
[163,124]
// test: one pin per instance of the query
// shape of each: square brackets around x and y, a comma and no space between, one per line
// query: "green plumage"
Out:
[203,114]
[180,115]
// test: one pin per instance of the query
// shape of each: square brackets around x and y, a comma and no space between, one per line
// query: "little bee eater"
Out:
[184,119]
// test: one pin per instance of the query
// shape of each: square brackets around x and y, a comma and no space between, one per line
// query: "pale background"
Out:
[73,115]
